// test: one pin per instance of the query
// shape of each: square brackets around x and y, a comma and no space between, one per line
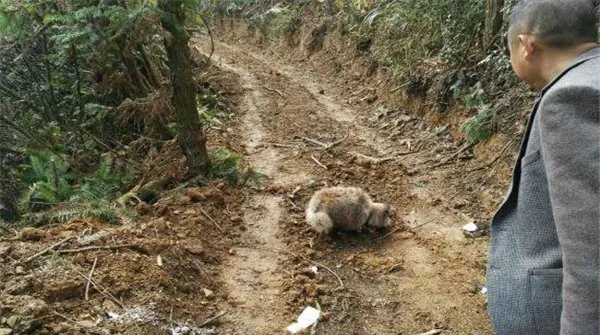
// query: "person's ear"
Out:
[528,46]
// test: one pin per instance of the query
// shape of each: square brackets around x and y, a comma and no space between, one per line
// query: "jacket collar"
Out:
[593,53]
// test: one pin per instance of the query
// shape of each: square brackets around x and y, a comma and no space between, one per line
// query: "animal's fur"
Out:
[347,208]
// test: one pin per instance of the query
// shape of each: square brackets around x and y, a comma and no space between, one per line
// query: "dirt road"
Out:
[424,275]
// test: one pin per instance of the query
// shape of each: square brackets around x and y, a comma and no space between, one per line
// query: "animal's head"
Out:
[380,215]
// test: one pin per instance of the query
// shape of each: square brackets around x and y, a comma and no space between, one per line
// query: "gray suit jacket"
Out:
[543,271]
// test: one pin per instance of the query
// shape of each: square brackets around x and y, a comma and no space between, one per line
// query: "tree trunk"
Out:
[493,21]
[191,137]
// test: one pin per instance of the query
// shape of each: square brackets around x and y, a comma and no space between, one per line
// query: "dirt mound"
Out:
[154,272]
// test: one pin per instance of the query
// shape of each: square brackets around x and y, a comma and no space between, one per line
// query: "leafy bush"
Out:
[46,178]
[227,165]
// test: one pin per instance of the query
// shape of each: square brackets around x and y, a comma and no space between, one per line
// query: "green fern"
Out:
[477,128]
[99,185]
[6,228]
[52,216]
[101,210]
[226,165]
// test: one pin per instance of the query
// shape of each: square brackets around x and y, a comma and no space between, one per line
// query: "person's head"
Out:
[541,30]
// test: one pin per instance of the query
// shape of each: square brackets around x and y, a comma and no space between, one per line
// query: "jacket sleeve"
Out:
[570,132]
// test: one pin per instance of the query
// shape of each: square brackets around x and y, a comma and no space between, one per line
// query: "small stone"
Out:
[5,331]
[208,293]
[108,305]
[19,270]
[184,200]
[12,321]
[236,219]
[5,249]
[195,194]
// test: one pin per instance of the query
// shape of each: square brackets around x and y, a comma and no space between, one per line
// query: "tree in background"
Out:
[191,137]
[85,88]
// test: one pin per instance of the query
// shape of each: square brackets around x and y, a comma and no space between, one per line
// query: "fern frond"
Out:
[25,201]
[6,228]
[55,215]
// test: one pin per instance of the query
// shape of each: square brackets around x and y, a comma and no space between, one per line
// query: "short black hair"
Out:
[557,23]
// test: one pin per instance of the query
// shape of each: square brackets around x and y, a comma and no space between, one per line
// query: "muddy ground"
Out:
[223,259]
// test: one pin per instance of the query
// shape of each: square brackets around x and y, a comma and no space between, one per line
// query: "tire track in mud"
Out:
[394,305]
[251,275]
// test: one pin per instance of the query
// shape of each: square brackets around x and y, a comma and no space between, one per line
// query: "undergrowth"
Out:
[439,51]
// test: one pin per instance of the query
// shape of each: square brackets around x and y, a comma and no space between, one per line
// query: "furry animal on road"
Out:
[347,208]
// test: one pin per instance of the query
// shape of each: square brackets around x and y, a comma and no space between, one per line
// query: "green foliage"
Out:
[65,67]
[101,210]
[97,186]
[227,165]
[477,128]
[6,228]
[48,182]
[211,8]
[47,179]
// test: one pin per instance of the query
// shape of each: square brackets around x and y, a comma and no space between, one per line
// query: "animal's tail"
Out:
[318,221]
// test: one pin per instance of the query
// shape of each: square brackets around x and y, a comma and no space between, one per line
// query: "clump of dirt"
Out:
[158,270]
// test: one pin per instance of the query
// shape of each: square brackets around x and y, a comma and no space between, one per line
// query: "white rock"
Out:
[208,293]
[470,227]
[307,318]
[12,321]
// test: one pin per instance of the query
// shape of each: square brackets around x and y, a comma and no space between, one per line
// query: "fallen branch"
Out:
[279,145]
[295,191]
[64,317]
[209,321]
[318,163]
[61,242]
[393,268]
[273,90]
[292,203]
[99,288]
[397,88]
[211,219]
[325,146]
[314,141]
[94,247]
[324,267]
[432,332]
[212,41]
[389,234]
[87,286]
[495,159]
[330,146]
[454,155]
[306,259]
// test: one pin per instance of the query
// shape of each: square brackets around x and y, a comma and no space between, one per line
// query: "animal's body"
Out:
[347,208]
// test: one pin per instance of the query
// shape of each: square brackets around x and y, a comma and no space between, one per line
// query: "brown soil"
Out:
[177,269]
